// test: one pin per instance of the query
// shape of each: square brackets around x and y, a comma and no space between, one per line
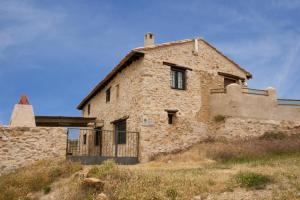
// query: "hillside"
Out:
[263,168]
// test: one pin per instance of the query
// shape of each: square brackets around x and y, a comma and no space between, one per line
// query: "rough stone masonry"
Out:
[20,146]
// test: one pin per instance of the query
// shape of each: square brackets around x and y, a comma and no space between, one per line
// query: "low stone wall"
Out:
[20,146]
[235,128]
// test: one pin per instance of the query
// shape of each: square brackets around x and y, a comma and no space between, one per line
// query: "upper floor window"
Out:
[108,95]
[117,91]
[178,77]
[89,109]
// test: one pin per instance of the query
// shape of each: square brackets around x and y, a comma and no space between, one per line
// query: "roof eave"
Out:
[127,60]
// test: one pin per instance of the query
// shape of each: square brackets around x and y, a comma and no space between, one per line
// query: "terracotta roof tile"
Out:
[24,100]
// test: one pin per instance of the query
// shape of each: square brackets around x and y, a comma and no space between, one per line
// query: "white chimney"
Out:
[149,39]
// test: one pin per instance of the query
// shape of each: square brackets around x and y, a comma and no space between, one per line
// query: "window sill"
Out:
[177,88]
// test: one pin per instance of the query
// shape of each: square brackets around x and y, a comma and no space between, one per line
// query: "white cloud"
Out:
[22,22]
[288,4]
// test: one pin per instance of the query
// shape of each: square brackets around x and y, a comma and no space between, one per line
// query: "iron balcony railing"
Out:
[288,102]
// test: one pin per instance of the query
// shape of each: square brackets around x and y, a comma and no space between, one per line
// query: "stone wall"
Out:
[190,123]
[235,128]
[20,146]
[236,102]
[142,92]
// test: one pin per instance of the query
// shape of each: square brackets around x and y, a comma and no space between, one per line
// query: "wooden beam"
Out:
[231,76]
[177,66]
[62,121]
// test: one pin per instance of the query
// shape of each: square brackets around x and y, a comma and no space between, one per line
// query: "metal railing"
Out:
[255,91]
[288,102]
[105,143]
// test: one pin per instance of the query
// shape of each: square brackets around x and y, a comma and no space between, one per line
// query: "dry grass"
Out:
[209,168]
[270,144]
[212,167]
[35,177]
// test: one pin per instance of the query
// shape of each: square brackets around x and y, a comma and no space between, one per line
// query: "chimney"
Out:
[149,39]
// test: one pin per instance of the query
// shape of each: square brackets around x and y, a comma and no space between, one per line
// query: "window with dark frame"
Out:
[171,114]
[89,109]
[120,128]
[84,139]
[170,118]
[108,95]
[98,134]
[178,78]
[228,81]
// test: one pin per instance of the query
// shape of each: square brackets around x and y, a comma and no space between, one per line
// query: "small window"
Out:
[228,81]
[170,118]
[171,115]
[178,78]
[108,95]
[89,109]
[84,139]
[120,128]
[98,134]
[117,91]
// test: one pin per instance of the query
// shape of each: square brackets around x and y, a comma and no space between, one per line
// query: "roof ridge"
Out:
[165,44]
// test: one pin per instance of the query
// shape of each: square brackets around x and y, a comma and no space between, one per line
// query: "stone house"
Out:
[162,92]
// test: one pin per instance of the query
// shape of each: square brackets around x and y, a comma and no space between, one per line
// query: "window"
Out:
[228,81]
[177,78]
[89,109]
[117,91]
[171,114]
[98,136]
[108,95]
[84,139]
[170,118]
[120,130]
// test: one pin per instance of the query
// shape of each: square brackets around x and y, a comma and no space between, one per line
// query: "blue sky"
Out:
[56,51]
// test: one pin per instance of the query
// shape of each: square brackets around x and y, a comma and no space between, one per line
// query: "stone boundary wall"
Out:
[20,146]
[237,103]
[239,128]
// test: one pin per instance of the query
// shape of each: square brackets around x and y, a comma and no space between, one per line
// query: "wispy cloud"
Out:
[288,4]
[23,21]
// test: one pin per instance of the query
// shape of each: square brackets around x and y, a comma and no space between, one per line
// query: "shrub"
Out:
[104,169]
[273,135]
[171,193]
[219,118]
[251,179]
[46,189]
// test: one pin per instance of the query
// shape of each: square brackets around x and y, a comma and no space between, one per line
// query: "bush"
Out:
[46,189]
[104,169]
[273,135]
[172,193]
[251,179]
[219,118]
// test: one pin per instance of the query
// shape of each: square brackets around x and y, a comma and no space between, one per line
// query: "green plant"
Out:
[107,167]
[219,118]
[251,179]
[171,193]
[46,189]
